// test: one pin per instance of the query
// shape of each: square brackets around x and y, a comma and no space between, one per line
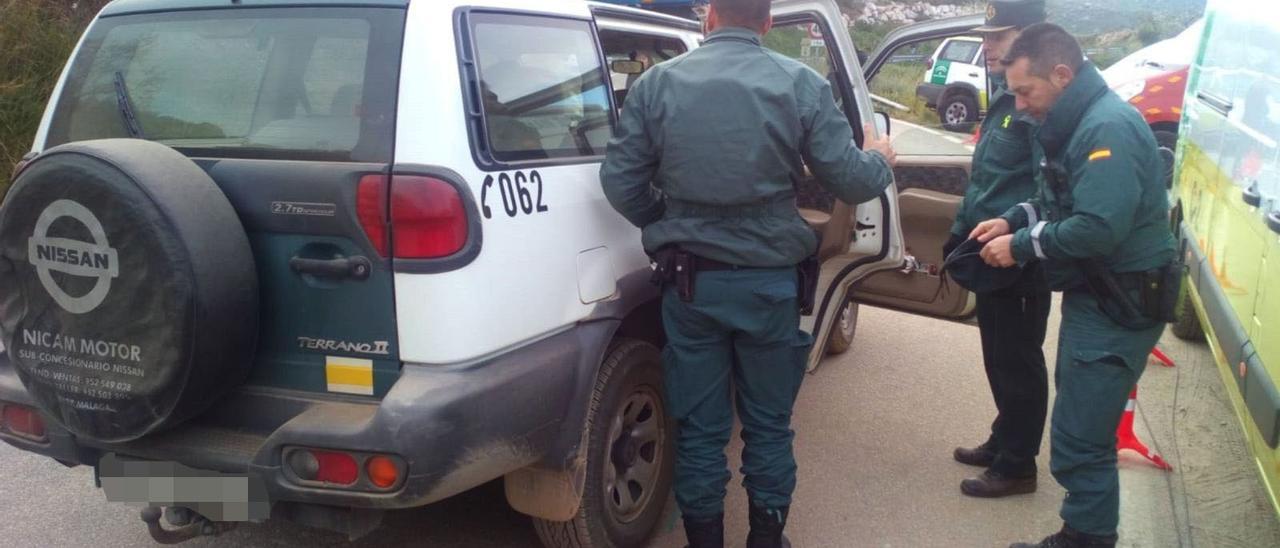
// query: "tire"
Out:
[958,107]
[628,394]
[1187,327]
[130,299]
[846,327]
[1167,142]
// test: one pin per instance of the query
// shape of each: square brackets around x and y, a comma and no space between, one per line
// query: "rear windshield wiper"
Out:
[126,108]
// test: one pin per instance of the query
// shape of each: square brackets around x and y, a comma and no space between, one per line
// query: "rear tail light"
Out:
[328,467]
[343,469]
[383,472]
[371,210]
[428,218]
[23,422]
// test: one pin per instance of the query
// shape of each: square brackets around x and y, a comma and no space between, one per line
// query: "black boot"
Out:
[766,527]
[982,455]
[995,485]
[1071,538]
[705,532]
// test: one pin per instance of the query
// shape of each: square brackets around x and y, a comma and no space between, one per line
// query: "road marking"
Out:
[920,127]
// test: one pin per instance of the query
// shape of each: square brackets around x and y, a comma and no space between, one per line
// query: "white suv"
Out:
[955,82]
[318,260]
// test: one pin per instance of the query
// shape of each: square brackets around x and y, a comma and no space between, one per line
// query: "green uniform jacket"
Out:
[1114,205]
[1003,173]
[711,144]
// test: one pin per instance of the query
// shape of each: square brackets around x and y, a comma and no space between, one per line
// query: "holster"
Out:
[1160,291]
[672,265]
[663,263]
[808,271]
[1157,293]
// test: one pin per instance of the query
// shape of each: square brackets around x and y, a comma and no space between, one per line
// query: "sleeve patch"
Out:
[1100,154]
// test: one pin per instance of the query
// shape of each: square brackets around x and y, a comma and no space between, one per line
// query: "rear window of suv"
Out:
[961,51]
[287,83]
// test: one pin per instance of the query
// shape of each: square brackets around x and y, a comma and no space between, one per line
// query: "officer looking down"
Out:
[1100,226]
[704,160]
[1013,307]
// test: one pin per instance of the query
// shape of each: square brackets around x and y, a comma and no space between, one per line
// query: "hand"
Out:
[880,145]
[999,252]
[988,230]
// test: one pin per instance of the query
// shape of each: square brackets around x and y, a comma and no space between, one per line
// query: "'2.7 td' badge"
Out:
[96,259]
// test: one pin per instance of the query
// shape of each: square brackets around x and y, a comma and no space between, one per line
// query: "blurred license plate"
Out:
[214,495]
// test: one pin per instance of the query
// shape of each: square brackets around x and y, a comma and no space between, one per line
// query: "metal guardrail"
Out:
[1110,50]
[906,58]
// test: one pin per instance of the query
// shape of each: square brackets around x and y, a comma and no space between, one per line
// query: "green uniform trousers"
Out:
[738,341]
[1099,362]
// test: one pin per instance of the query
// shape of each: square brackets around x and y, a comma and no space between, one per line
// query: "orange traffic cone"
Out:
[1126,439]
[1161,357]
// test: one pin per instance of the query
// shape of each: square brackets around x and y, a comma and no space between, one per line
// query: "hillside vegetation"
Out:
[36,36]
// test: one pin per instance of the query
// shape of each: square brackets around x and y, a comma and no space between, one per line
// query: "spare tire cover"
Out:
[128,294]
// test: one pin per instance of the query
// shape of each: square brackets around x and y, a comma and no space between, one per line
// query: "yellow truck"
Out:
[1226,188]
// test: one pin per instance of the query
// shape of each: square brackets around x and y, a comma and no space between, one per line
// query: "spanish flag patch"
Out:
[1100,154]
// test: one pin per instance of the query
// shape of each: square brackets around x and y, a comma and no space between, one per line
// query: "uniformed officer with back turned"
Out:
[1100,226]
[704,160]
[1013,316]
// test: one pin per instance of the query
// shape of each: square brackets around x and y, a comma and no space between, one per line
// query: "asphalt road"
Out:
[875,429]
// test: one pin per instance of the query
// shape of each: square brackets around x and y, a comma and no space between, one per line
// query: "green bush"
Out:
[897,82]
[36,37]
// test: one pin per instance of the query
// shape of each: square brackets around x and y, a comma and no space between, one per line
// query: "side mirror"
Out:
[627,67]
[882,123]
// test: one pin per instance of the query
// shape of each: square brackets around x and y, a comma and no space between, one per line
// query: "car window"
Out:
[542,87]
[933,113]
[806,43]
[960,51]
[647,49]
[269,83]
[333,87]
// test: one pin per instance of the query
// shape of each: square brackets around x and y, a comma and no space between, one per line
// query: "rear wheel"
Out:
[958,107]
[841,337]
[630,456]
[1167,143]
[1187,327]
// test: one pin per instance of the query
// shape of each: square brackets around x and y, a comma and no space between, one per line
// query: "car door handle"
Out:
[1252,195]
[1273,221]
[973,75]
[1221,105]
[353,268]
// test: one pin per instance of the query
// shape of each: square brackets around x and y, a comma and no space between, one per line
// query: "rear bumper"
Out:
[930,93]
[456,426]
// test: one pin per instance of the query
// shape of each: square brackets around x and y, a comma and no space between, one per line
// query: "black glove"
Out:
[952,243]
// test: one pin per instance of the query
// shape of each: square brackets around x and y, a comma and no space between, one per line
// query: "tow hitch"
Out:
[187,524]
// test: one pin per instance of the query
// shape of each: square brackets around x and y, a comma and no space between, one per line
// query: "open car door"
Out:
[885,252]
[856,240]
[932,174]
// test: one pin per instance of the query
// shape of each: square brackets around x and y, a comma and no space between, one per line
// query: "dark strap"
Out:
[781,208]
[703,264]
